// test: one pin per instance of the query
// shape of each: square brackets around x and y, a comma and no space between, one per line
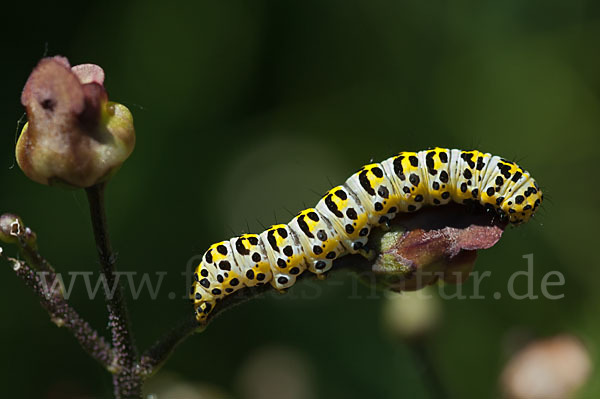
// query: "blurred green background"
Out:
[244,110]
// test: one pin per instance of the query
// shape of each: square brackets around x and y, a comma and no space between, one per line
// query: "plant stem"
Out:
[62,314]
[127,383]
[420,351]
[154,357]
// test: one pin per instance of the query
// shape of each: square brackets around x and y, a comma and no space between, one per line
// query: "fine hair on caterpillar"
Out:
[342,220]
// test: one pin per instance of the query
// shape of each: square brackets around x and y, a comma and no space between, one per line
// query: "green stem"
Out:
[427,366]
[153,358]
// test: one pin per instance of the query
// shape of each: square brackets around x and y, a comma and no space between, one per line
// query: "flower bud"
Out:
[74,136]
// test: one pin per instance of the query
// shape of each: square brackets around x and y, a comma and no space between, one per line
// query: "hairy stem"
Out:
[34,258]
[127,382]
[62,314]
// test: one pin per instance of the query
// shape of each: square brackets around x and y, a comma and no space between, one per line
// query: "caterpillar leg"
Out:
[385,224]
[366,253]
[320,267]
[282,281]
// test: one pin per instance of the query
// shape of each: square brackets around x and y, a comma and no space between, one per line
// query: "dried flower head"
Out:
[74,135]
[12,230]
[437,243]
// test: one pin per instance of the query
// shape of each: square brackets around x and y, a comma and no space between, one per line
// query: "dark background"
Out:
[244,110]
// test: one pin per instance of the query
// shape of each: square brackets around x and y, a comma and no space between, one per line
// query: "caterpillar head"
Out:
[524,201]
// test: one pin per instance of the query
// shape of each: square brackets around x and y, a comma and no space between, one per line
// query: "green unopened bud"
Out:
[74,136]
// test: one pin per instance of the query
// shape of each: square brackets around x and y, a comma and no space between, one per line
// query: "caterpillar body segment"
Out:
[342,208]
[319,240]
[342,220]
[285,254]
[375,192]
[251,258]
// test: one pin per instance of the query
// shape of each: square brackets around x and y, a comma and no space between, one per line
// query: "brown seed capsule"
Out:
[74,135]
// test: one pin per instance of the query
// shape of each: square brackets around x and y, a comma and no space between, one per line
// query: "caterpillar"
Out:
[341,221]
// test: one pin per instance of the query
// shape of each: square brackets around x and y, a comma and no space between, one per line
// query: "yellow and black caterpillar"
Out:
[342,220]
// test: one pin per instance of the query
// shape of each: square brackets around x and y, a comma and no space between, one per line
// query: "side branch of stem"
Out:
[63,315]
